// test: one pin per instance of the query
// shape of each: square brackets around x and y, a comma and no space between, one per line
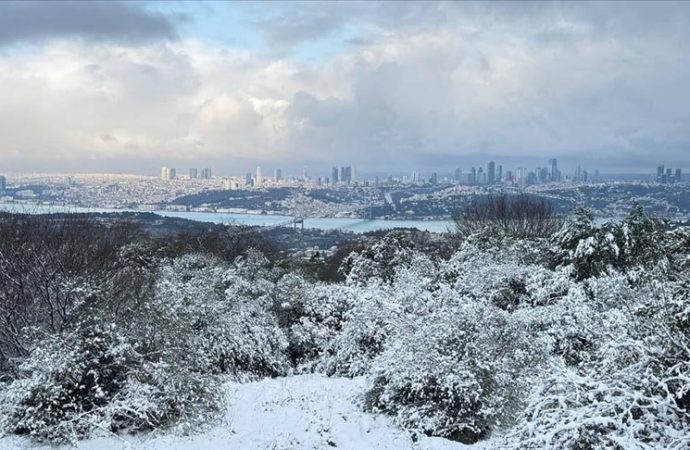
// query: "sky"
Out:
[129,87]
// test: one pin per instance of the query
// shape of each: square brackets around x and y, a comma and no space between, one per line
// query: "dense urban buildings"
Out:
[668,175]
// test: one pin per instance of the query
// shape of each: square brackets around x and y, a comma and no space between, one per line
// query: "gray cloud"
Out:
[107,21]
[418,86]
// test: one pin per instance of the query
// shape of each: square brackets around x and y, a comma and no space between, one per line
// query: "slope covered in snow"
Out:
[299,412]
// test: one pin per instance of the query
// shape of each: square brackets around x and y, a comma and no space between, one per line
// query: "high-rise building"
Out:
[206,173]
[277,175]
[499,173]
[334,175]
[555,175]
[434,178]
[2,183]
[679,176]
[258,179]
[473,176]
[193,173]
[168,173]
[481,176]
[491,173]
[248,179]
[660,174]
[457,174]
[346,174]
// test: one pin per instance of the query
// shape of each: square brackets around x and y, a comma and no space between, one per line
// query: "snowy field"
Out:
[300,412]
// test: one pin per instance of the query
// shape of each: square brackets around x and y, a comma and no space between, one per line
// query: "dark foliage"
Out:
[521,215]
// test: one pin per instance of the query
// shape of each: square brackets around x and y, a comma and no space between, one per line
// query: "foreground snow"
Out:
[300,412]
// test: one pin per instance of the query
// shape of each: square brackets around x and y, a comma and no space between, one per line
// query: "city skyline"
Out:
[471,176]
[126,87]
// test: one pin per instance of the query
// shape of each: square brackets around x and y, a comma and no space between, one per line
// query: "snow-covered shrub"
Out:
[364,332]
[380,260]
[218,317]
[591,251]
[96,378]
[632,391]
[311,315]
[629,409]
[502,276]
[458,372]
[377,312]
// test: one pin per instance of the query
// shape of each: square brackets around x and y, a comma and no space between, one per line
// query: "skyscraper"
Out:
[499,173]
[2,183]
[481,176]
[193,173]
[473,176]
[346,174]
[679,175]
[258,179]
[555,176]
[334,175]
[660,174]
[248,179]
[277,175]
[206,173]
[491,174]
[167,173]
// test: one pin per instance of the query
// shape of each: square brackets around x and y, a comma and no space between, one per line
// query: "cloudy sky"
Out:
[128,87]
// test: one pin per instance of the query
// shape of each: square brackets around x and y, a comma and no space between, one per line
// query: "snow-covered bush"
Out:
[380,260]
[629,409]
[457,372]
[632,391]
[591,251]
[96,378]
[311,315]
[378,309]
[218,317]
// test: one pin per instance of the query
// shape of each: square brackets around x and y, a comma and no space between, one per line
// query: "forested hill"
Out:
[509,335]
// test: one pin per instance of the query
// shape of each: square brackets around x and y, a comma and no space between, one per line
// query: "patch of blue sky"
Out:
[229,24]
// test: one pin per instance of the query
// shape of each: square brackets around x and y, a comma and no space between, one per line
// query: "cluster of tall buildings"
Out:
[492,175]
[169,173]
[522,176]
[667,175]
[205,173]
[344,176]
[256,179]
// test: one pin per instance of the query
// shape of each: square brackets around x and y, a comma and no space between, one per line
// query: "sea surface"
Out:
[269,220]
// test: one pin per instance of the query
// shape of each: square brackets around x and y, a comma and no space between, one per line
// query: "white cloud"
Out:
[415,94]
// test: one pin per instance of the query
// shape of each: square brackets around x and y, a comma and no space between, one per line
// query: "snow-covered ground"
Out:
[300,412]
